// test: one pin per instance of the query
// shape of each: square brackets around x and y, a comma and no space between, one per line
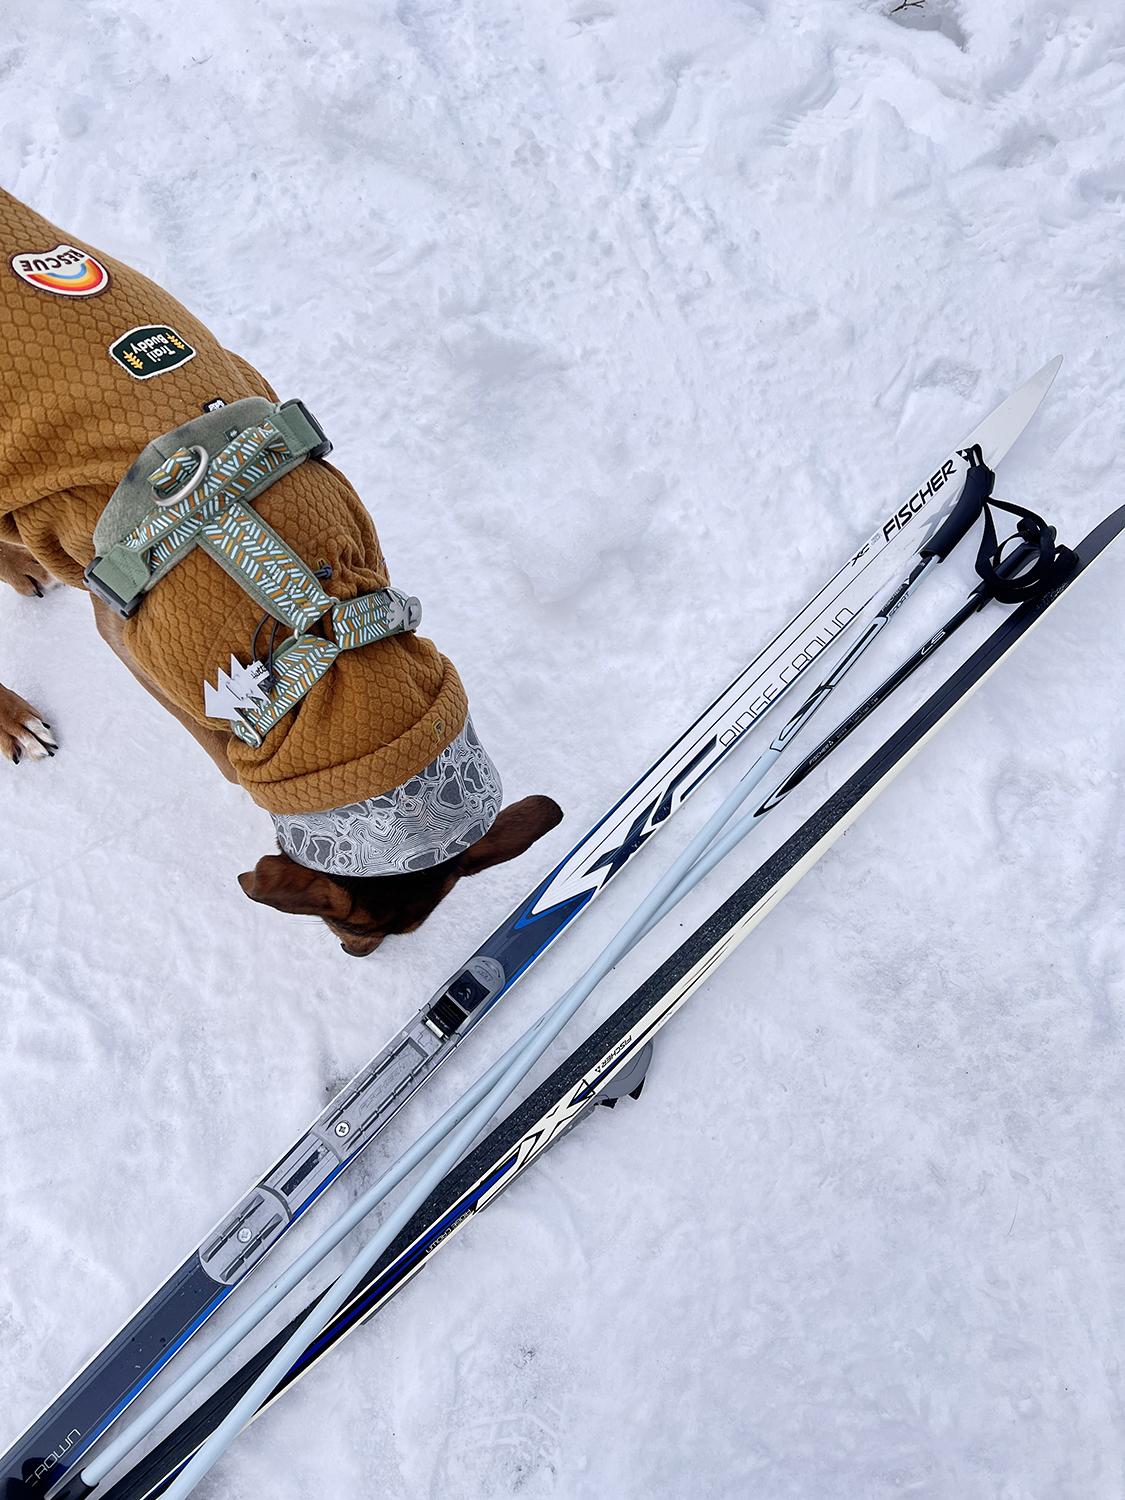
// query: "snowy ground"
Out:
[628,319]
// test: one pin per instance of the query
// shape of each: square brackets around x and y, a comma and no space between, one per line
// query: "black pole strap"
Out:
[1051,562]
[1051,565]
[1038,541]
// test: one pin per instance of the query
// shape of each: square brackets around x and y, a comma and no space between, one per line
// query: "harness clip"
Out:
[302,425]
[118,579]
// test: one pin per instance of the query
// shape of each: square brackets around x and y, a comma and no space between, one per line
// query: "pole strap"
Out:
[1049,563]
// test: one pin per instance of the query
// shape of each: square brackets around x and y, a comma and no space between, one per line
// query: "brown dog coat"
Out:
[95,361]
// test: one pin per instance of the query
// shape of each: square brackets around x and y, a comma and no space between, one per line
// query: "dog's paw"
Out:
[22,731]
[21,571]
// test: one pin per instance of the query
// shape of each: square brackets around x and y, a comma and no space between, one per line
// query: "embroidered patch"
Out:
[216,403]
[66,271]
[151,350]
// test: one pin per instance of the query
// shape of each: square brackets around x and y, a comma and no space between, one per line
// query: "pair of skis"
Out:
[124,1367]
[613,1060]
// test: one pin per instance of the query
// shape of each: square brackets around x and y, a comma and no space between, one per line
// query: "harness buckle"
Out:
[296,415]
[121,587]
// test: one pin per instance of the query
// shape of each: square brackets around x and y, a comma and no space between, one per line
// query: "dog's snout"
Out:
[366,946]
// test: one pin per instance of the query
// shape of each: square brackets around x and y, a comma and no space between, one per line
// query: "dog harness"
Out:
[205,501]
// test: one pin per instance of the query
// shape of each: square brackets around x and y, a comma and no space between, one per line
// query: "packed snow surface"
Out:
[629,319]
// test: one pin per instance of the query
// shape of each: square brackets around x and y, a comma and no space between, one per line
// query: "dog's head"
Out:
[363,910]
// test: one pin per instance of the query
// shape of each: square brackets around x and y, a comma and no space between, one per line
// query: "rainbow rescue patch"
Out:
[66,271]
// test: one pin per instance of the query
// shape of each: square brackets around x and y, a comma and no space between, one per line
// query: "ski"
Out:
[613,1060]
[151,1337]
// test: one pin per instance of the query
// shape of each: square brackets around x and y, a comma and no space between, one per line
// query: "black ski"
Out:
[612,1060]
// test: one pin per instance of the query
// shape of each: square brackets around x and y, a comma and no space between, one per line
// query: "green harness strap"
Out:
[204,502]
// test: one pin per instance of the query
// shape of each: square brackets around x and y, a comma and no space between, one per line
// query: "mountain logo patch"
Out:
[66,271]
[151,350]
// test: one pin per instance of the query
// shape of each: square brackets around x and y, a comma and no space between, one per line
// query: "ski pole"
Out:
[501,1159]
[684,874]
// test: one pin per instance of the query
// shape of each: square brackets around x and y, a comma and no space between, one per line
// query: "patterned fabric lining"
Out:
[435,815]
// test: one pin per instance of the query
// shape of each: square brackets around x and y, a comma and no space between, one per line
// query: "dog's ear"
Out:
[276,880]
[515,829]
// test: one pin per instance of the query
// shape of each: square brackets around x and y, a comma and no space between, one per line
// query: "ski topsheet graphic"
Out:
[129,1361]
[612,1061]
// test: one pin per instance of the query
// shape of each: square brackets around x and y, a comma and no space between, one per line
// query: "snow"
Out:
[628,319]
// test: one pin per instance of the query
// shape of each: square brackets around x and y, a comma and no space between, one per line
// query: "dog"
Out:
[382,796]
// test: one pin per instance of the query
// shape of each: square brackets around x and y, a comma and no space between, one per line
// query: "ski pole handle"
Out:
[970,503]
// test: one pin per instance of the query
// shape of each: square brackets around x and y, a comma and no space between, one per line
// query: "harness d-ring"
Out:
[192,483]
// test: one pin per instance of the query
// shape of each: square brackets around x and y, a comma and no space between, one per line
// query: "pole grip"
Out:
[970,503]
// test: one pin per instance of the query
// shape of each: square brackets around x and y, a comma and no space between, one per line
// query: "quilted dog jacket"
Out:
[95,361]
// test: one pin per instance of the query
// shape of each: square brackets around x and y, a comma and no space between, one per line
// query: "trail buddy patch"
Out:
[151,350]
[66,271]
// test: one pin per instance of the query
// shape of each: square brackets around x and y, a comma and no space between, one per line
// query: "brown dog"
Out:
[75,411]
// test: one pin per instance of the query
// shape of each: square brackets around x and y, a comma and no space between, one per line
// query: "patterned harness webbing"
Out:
[202,503]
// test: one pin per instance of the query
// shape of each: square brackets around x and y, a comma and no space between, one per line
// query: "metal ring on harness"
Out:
[192,483]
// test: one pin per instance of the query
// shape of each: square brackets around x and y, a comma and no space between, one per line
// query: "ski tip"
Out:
[999,431]
[1040,383]
[1052,367]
